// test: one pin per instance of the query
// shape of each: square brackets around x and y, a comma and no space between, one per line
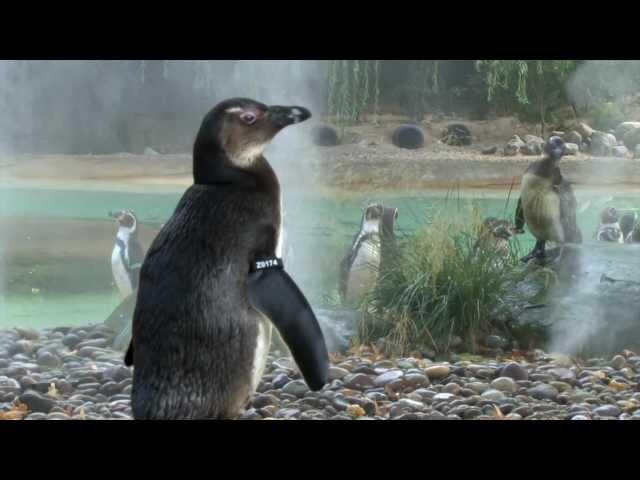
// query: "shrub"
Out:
[444,282]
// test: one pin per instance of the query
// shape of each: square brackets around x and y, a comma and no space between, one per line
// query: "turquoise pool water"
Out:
[77,289]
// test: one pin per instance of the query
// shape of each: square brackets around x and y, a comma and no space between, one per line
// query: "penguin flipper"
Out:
[274,293]
[519,216]
[128,357]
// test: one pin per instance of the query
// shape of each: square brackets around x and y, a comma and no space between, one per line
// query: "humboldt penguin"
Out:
[547,203]
[627,225]
[213,279]
[609,229]
[495,233]
[371,248]
[127,253]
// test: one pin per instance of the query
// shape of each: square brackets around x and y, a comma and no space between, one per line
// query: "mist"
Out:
[587,313]
[142,107]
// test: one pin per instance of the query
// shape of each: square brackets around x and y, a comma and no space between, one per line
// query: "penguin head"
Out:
[500,229]
[234,134]
[554,148]
[609,215]
[372,217]
[126,219]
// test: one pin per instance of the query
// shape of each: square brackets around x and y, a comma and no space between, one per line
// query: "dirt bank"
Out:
[367,161]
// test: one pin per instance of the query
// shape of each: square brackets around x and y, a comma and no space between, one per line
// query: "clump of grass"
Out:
[446,280]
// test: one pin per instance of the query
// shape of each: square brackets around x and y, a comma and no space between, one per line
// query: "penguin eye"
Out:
[248,117]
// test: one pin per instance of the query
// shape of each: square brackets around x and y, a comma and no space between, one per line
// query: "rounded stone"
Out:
[493,395]
[387,377]
[337,373]
[280,380]
[607,411]
[358,381]
[37,402]
[515,371]
[297,388]
[618,362]
[48,359]
[452,388]
[504,384]
[543,392]
[416,380]
[437,372]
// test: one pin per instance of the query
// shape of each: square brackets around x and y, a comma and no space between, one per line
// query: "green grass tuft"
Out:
[446,280]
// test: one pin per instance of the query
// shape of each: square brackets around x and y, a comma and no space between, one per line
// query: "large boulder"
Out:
[621,130]
[631,138]
[602,144]
[620,151]
[573,137]
[571,149]
[591,308]
[513,146]
[584,130]
[533,145]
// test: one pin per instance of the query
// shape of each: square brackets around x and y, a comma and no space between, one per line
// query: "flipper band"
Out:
[267,263]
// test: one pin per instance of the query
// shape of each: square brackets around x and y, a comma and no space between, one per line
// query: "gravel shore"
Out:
[69,373]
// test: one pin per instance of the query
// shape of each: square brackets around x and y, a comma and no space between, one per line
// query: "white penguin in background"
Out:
[127,254]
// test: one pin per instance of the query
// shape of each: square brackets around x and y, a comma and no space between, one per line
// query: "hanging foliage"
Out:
[351,89]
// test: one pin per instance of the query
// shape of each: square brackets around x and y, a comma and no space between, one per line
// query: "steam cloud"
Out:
[588,314]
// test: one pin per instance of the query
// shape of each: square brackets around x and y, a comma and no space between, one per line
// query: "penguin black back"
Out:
[199,341]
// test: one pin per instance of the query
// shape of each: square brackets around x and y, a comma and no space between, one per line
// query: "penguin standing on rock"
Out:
[213,279]
[127,253]
[547,203]
[609,229]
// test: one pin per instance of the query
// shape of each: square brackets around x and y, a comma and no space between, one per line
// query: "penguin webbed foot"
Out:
[537,253]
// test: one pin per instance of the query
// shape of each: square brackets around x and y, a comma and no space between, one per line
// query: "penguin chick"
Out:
[547,203]
[212,284]
[496,233]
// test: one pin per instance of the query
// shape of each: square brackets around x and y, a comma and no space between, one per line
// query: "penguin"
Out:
[127,253]
[634,235]
[371,247]
[213,280]
[496,233]
[609,229]
[547,203]
[627,225]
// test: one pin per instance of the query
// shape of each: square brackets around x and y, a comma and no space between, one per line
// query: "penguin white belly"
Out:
[263,343]
[120,274]
[280,233]
[541,207]
[364,270]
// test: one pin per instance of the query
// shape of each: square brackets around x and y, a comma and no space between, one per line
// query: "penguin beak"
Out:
[285,116]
